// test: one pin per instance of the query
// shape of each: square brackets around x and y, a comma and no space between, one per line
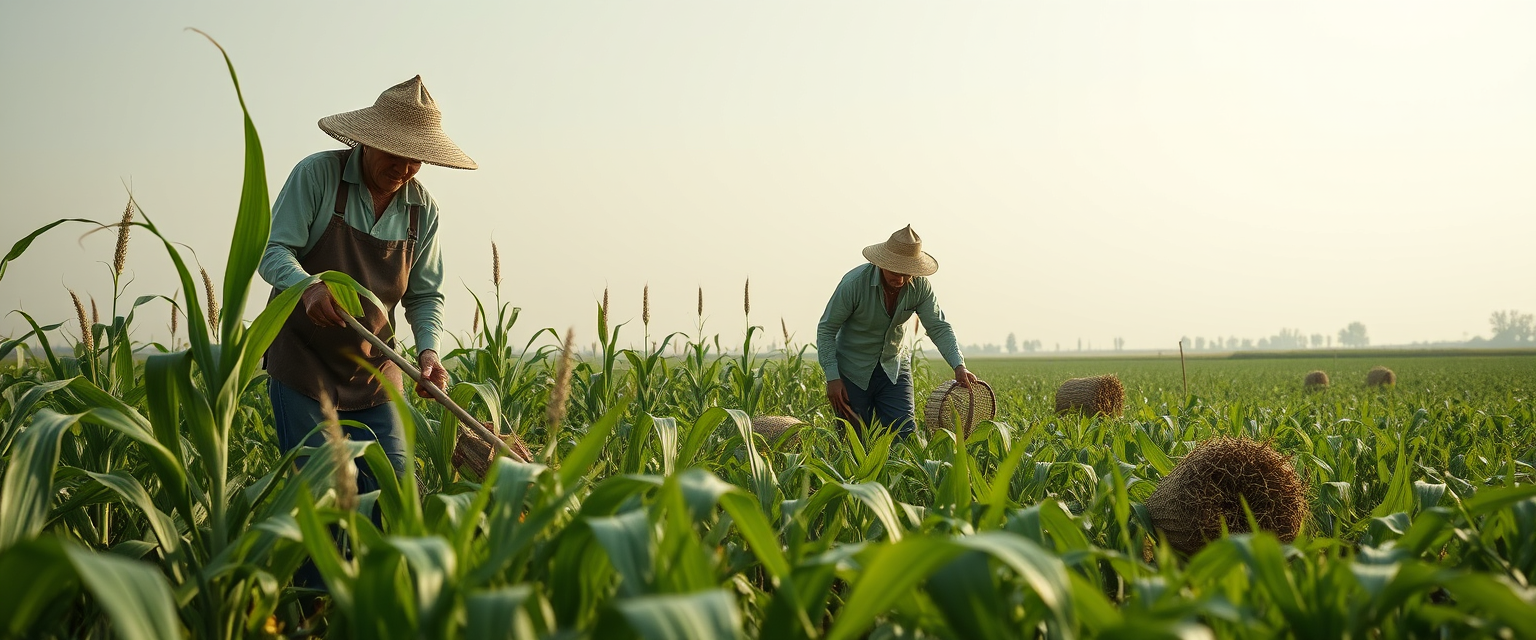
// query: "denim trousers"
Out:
[885,404]
[295,416]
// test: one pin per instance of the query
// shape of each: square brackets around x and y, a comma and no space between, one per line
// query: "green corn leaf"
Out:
[631,548]
[891,571]
[134,594]
[498,614]
[27,490]
[586,452]
[21,245]
[707,615]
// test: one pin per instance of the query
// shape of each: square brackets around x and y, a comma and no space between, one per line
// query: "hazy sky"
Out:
[1080,169]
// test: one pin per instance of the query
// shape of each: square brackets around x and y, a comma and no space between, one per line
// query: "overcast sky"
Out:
[1092,170]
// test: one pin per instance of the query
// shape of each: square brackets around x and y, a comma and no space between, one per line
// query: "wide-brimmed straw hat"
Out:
[902,253]
[404,121]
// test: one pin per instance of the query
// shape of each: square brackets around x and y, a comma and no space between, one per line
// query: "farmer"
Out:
[361,212]
[859,339]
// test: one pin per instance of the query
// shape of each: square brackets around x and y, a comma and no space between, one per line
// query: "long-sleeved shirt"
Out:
[855,333]
[303,210]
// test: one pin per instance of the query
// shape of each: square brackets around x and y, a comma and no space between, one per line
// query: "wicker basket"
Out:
[950,402]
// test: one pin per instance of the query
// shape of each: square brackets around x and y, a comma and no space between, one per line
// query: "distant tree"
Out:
[1232,343]
[1012,344]
[1199,344]
[1247,343]
[1354,335]
[1119,344]
[1079,344]
[1512,327]
[1317,340]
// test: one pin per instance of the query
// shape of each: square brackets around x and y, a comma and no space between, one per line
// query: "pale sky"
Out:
[1080,169]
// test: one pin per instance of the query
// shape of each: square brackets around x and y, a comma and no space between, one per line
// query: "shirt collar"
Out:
[353,173]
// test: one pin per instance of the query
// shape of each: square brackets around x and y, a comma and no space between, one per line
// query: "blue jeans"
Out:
[886,404]
[295,415]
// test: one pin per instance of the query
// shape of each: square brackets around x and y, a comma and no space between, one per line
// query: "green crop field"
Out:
[142,494]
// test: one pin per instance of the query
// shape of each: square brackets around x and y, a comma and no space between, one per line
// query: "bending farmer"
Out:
[359,211]
[859,339]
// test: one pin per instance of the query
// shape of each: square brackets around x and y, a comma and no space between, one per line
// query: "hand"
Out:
[432,371]
[964,378]
[321,307]
[837,394]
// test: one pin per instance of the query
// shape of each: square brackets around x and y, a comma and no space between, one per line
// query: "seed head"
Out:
[95,316]
[495,265]
[701,302]
[346,471]
[213,303]
[746,298]
[562,389]
[475,328]
[120,257]
[645,307]
[175,320]
[602,317]
[785,326]
[85,328]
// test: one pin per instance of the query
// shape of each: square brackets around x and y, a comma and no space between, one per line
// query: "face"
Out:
[894,280]
[387,172]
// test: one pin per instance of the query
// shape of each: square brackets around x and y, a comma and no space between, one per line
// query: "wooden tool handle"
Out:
[437,393]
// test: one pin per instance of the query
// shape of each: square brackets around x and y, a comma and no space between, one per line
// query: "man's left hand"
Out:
[431,371]
[964,378]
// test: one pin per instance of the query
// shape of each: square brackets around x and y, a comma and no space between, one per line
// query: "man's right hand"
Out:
[837,394]
[321,307]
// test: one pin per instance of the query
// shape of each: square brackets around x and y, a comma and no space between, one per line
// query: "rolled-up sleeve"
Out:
[832,319]
[423,299]
[939,331]
[293,215]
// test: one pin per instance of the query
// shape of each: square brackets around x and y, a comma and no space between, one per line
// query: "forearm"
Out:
[826,351]
[280,267]
[424,312]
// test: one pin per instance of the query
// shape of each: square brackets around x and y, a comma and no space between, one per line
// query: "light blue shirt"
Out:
[303,210]
[855,333]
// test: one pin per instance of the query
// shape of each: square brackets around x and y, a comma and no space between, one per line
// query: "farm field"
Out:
[142,494]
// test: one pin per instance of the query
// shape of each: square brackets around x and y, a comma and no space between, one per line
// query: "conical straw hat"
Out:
[404,121]
[902,253]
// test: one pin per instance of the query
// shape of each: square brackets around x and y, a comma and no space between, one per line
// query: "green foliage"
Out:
[142,496]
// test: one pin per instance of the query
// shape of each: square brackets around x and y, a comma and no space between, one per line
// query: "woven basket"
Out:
[950,402]
[473,455]
[771,427]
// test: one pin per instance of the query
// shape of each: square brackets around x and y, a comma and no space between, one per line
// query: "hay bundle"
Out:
[951,405]
[1380,377]
[1316,380]
[771,427]
[474,455]
[1098,395]
[1209,485]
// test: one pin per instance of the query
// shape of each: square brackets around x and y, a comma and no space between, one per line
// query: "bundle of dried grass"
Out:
[951,406]
[1210,485]
[1316,380]
[473,455]
[772,427]
[1097,395]
[1380,377]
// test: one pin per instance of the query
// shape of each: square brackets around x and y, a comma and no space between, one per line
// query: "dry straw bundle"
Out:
[771,427]
[475,455]
[1097,395]
[1380,377]
[951,405]
[1209,486]
[1316,380]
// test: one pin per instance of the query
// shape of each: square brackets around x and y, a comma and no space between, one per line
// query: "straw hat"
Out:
[903,253]
[404,121]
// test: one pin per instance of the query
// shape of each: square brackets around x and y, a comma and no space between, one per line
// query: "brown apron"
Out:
[312,359]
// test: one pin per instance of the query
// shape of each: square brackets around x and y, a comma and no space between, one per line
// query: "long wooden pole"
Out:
[1185,370]
[438,394]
